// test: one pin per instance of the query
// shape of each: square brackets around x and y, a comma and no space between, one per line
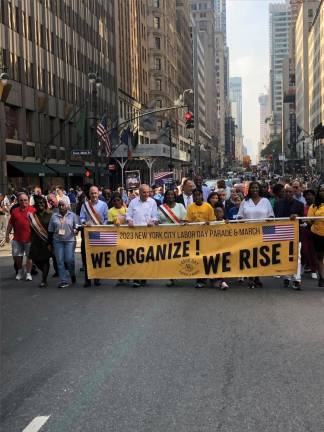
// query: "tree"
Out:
[274,148]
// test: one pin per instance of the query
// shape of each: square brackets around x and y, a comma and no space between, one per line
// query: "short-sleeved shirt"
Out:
[179,210]
[202,213]
[113,213]
[318,225]
[20,224]
[261,210]
[66,223]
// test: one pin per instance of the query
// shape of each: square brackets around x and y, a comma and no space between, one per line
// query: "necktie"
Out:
[188,202]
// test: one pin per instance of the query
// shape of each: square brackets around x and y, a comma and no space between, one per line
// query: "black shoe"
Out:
[55,274]
[258,283]
[252,285]
[286,282]
[321,282]
[199,285]
[137,284]
[42,284]
[143,282]
[97,282]
[73,279]
[33,271]
[170,283]
[63,285]
[87,284]
[296,285]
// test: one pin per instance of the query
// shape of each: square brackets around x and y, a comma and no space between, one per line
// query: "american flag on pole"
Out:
[103,238]
[103,136]
[277,232]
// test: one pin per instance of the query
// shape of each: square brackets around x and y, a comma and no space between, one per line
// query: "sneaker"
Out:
[170,283]
[199,285]
[223,286]
[42,285]
[240,280]
[19,275]
[73,279]
[136,284]
[63,285]
[314,275]
[321,282]
[29,277]
[307,269]
[296,285]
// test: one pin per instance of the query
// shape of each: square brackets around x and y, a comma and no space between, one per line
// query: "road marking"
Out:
[36,424]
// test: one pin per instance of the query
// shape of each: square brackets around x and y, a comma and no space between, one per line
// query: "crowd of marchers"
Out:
[43,227]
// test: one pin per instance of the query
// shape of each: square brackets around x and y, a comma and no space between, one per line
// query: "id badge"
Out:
[61,231]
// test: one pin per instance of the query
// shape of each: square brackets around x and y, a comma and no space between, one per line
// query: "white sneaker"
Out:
[19,275]
[29,277]
[224,286]
[314,275]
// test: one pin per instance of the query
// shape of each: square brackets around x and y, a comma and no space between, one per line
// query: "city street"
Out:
[158,359]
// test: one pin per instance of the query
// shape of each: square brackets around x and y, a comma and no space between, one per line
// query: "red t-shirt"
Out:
[21,224]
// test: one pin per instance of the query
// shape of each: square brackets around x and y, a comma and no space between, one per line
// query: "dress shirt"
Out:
[142,212]
[261,210]
[206,191]
[187,200]
[300,198]
[100,207]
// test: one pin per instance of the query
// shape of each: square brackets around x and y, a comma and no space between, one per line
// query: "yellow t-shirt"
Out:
[203,213]
[318,224]
[113,214]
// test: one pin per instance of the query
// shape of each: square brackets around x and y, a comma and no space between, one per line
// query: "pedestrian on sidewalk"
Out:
[19,223]
[40,249]
[62,235]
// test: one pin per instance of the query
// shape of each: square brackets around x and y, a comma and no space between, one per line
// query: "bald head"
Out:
[144,192]
[94,194]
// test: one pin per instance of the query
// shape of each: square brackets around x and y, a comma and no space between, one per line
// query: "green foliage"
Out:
[273,148]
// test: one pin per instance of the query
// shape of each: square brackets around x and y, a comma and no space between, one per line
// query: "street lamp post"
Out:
[95,83]
[168,126]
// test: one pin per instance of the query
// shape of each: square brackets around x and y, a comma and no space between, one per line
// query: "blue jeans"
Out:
[64,253]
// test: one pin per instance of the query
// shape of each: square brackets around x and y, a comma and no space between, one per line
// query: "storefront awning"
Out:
[67,170]
[29,168]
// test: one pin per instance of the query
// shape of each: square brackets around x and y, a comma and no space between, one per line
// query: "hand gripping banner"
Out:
[192,251]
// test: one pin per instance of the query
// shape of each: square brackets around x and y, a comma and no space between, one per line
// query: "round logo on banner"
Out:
[189,267]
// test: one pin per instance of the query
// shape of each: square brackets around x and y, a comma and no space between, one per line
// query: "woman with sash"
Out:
[40,251]
[171,212]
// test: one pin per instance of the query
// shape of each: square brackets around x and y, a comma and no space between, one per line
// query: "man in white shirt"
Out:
[298,194]
[142,211]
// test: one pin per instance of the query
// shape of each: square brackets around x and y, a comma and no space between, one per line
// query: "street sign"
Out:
[80,152]
[282,157]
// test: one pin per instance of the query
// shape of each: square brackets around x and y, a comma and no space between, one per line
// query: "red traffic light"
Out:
[188,116]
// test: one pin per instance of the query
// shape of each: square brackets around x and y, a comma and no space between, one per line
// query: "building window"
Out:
[157,63]
[156,22]
[158,103]
[159,124]
[156,3]
[29,125]
[158,84]
[158,43]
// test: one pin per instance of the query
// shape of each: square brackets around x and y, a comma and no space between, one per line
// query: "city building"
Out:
[236,101]
[48,49]
[279,25]
[264,117]
[304,21]
[316,87]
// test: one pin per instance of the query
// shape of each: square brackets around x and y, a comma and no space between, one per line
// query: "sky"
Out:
[248,41]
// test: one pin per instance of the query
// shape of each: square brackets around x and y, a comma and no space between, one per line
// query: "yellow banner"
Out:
[192,251]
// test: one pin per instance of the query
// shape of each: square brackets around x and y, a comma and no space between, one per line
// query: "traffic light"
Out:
[189,120]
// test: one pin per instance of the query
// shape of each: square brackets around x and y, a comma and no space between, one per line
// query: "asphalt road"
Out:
[161,359]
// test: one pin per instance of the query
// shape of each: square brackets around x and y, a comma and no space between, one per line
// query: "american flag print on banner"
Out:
[103,136]
[277,233]
[162,175]
[103,238]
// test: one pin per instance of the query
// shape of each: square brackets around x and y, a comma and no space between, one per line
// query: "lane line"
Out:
[36,424]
